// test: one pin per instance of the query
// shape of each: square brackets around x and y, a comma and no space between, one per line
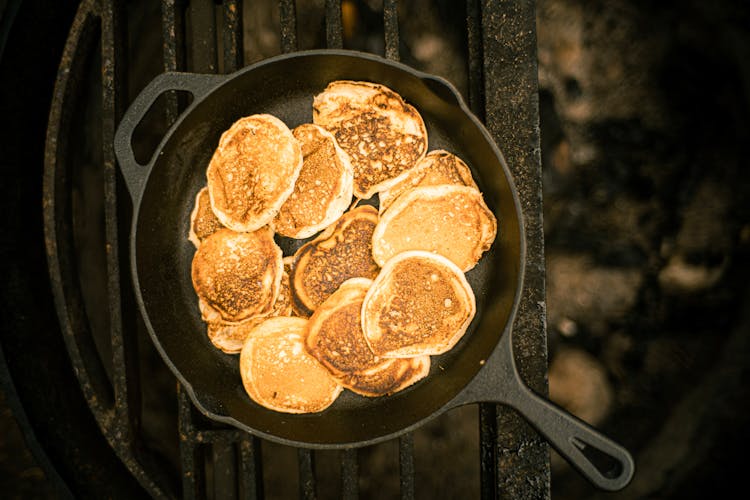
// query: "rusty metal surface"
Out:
[113,399]
[502,89]
[511,97]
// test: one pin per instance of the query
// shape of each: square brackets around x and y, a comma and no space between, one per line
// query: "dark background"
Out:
[645,137]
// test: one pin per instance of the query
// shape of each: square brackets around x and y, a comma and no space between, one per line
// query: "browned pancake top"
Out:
[437,168]
[318,184]
[283,304]
[230,337]
[238,274]
[421,303]
[388,376]
[204,221]
[376,151]
[346,350]
[343,251]
[335,330]
[383,135]
[253,171]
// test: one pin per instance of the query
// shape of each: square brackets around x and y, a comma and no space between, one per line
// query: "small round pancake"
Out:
[335,338]
[342,251]
[450,220]
[420,304]
[203,220]
[437,168]
[334,332]
[253,171]
[389,376]
[383,135]
[237,275]
[230,337]
[279,374]
[323,190]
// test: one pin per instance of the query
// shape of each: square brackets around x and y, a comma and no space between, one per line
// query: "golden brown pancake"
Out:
[203,221]
[230,337]
[253,171]
[450,220]
[323,190]
[420,304]
[335,338]
[383,135]
[278,372]
[389,376]
[237,275]
[342,251]
[437,168]
[334,332]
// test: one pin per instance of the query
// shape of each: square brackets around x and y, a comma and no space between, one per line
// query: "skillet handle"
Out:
[602,461]
[135,173]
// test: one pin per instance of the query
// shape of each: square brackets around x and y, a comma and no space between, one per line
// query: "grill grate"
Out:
[207,36]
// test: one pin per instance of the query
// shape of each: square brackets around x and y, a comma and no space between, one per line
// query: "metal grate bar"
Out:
[224,458]
[218,436]
[124,372]
[390,27]
[406,465]
[511,96]
[125,427]
[487,451]
[191,455]
[288,16]
[334,27]
[232,35]
[349,474]
[475,57]
[251,465]
[306,461]
[173,43]
[203,42]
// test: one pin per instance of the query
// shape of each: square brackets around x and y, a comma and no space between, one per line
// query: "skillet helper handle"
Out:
[134,172]
[602,461]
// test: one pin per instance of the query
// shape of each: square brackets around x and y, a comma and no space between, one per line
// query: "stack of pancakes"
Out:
[372,293]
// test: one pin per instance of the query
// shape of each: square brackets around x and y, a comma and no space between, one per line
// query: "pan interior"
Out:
[285,88]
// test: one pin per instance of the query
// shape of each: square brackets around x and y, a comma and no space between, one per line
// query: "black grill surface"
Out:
[109,418]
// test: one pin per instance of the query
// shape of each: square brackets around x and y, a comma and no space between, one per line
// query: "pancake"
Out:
[383,135]
[283,304]
[279,374]
[203,221]
[342,251]
[420,304]
[335,338]
[437,168]
[323,190]
[334,332]
[450,220]
[253,171]
[237,275]
[230,337]
[389,376]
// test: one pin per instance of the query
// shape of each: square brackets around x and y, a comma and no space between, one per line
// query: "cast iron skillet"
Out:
[479,369]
